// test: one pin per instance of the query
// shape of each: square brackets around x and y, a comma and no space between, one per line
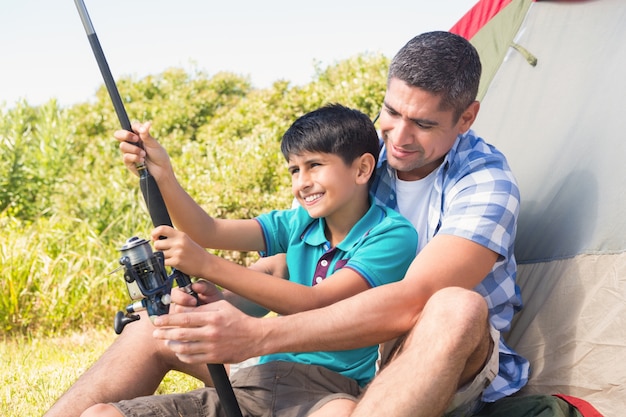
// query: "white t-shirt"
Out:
[413,199]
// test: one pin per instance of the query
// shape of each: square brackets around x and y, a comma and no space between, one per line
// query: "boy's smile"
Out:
[325,186]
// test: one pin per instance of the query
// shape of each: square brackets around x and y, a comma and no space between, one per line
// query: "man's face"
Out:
[416,132]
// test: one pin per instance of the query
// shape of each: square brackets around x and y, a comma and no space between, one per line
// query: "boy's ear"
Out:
[366,164]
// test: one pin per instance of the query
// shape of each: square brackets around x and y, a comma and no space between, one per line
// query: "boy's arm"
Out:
[368,264]
[185,213]
[274,293]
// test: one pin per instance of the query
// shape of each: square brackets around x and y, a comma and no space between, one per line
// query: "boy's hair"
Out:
[332,129]
[441,63]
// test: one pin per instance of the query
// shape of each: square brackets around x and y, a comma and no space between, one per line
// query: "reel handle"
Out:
[121,320]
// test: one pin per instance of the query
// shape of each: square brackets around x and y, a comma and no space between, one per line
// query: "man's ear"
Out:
[365,164]
[468,116]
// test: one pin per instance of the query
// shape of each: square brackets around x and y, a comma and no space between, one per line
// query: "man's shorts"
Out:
[467,399]
[271,389]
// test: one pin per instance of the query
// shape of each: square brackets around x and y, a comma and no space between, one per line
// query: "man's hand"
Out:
[212,333]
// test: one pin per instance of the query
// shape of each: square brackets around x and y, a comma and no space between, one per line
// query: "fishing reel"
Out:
[147,282]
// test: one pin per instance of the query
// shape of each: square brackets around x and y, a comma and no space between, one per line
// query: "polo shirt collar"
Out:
[314,235]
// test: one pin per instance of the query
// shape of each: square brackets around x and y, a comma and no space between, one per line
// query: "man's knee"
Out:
[137,339]
[455,318]
[457,307]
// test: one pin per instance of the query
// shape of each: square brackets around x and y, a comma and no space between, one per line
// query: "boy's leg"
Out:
[132,366]
[336,408]
[447,347]
[201,402]
[102,410]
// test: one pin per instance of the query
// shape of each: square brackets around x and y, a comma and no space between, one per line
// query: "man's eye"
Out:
[424,126]
[391,112]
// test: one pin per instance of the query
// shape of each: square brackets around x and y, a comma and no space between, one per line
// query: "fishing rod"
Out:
[144,270]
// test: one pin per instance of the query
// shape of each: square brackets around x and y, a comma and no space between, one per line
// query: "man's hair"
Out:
[332,129]
[441,63]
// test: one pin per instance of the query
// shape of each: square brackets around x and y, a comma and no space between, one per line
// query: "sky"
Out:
[45,53]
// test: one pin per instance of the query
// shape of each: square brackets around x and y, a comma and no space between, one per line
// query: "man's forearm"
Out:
[366,319]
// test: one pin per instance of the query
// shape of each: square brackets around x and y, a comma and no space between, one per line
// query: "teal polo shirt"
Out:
[380,247]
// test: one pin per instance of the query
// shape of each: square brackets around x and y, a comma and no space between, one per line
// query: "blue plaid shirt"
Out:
[476,197]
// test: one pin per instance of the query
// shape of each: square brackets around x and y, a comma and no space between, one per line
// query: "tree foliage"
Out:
[67,202]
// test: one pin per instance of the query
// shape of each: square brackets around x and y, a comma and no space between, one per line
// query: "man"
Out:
[456,297]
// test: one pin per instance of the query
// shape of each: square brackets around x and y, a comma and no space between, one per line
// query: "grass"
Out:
[37,370]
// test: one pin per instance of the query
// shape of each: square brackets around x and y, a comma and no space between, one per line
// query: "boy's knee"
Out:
[341,407]
[101,410]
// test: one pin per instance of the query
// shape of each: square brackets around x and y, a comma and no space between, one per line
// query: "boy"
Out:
[335,246]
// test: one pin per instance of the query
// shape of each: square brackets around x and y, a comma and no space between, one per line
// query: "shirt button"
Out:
[324,262]
[318,280]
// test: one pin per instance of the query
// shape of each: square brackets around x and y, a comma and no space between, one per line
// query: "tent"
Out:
[554,81]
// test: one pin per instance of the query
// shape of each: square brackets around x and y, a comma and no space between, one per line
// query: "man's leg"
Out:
[132,366]
[447,348]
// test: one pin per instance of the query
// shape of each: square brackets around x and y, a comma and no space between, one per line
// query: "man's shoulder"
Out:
[472,146]
[472,154]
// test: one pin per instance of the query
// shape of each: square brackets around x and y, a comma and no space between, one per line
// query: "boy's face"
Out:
[324,185]
[416,132]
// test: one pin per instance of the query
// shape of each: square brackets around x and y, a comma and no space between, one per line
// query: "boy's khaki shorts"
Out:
[271,389]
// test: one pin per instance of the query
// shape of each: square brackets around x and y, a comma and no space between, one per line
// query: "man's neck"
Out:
[419,173]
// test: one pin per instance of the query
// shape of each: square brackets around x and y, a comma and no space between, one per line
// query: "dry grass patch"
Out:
[37,370]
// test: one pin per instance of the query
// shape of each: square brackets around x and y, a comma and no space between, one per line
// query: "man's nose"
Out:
[401,134]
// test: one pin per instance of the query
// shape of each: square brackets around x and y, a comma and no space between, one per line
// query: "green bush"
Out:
[67,202]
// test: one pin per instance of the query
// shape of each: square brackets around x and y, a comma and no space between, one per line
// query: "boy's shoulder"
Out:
[389,218]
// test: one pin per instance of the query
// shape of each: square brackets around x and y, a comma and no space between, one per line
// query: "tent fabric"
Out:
[552,102]
[582,406]
[477,17]
[531,406]
[491,26]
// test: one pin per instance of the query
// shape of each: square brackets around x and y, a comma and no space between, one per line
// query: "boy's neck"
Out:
[339,224]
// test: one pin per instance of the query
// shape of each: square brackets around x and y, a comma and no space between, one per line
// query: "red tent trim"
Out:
[586,409]
[477,17]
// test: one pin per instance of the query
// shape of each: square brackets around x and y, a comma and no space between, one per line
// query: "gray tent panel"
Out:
[562,126]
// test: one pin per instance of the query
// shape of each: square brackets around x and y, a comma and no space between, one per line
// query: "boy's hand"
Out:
[180,251]
[206,292]
[153,154]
